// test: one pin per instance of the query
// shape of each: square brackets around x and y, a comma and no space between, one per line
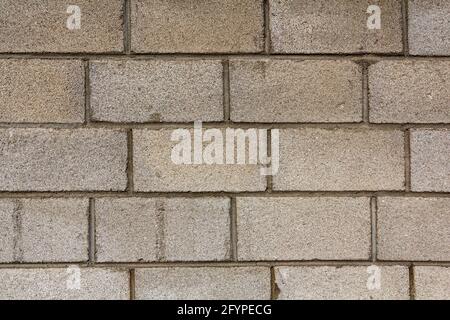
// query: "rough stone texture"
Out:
[340,159]
[45,230]
[334,26]
[171,229]
[303,228]
[343,283]
[52,284]
[430,165]
[410,92]
[432,283]
[414,229]
[41,90]
[250,283]
[62,160]
[40,26]
[156,91]
[429,27]
[295,91]
[197,26]
[154,169]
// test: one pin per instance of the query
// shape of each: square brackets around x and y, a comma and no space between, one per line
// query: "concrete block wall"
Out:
[86,179]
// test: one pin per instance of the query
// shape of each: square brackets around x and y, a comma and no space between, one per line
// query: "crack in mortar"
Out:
[17,231]
[160,230]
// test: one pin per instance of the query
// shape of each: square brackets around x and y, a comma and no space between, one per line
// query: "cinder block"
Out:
[35,91]
[334,26]
[409,92]
[62,284]
[414,229]
[156,91]
[432,283]
[340,159]
[62,160]
[249,283]
[41,26]
[429,27]
[163,229]
[312,228]
[154,169]
[342,283]
[295,91]
[430,165]
[198,26]
[45,230]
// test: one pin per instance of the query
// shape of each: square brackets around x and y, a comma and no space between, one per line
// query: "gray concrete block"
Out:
[414,229]
[34,91]
[62,159]
[251,283]
[286,228]
[197,26]
[295,91]
[162,229]
[156,91]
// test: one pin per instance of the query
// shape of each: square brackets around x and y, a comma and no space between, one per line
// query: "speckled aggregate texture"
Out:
[136,138]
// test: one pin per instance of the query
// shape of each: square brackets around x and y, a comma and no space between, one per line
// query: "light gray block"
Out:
[250,283]
[429,27]
[295,91]
[156,91]
[287,228]
[409,92]
[61,284]
[41,26]
[34,91]
[430,165]
[45,230]
[340,159]
[414,229]
[154,169]
[63,159]
[199,26]
[342,283]
[162,229]
[432,283]
[334,26]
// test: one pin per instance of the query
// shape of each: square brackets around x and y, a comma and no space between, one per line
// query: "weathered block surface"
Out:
[414,229]
[334,26]
[410,92]
[429,27]
[197,26]
[61,284]
[303,228]
[41,26]
[343,283]
[295,91]
[154,169]
[34,90]
[430,165]
[160,229]
[340,159]
[62,160]
[252,283]
[156,91]
[432,283]
[44,230]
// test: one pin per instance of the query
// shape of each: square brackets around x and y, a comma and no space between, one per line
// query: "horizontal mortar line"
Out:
[218,56]
[199,194]
[272,263]
[237,125]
